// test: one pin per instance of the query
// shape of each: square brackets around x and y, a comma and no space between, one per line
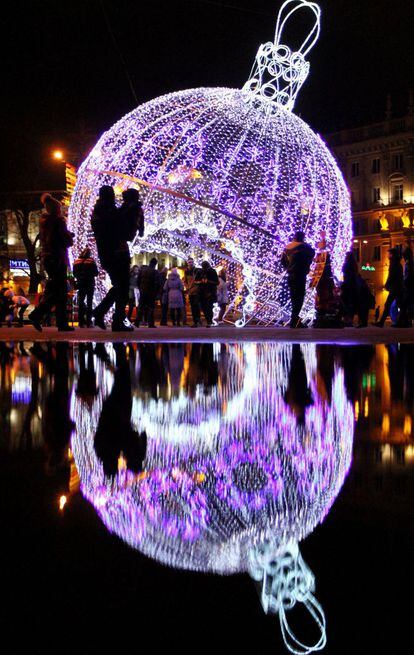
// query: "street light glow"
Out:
[58,155]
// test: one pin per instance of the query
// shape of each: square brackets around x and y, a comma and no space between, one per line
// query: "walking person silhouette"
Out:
[55,239]
[113,227]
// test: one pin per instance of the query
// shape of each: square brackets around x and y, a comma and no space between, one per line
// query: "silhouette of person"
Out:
[57,425]
[86,387]
[296,260]
[55,239]
[113,228]
[115,435]
[298,394]
[84,271]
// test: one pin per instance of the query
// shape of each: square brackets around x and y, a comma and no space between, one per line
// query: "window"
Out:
[356,254]
[397,192]
[377,225]
[356,227]
[376,194]
[376,165]
[354,198]
[355,169]
[3,230]
[376,254]
[397,161]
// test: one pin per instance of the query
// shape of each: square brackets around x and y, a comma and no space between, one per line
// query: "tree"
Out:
[21,210]
[22,217]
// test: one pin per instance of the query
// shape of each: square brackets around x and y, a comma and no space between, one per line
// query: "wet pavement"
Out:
[222,333]
[215,496]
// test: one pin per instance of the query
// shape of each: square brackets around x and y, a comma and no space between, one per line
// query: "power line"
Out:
[117,48]
[224,5]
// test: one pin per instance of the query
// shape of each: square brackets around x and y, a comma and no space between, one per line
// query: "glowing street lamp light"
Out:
[58,155]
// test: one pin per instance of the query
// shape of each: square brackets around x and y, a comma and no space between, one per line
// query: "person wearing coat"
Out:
[148,284]
[113,227]
[133,290]
[20,303]
[175,290]
[222,295]
[85,271]
[207,280]
[190,280]
[163,295]
[366,301]
[349,288]
[6,306]
[55,239]
[406,310]
[296,260]
[394,284]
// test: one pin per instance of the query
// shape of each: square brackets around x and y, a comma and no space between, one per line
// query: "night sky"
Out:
[67,76]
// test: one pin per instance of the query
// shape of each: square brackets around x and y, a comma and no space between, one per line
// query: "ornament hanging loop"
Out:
[287,10]
[279,72]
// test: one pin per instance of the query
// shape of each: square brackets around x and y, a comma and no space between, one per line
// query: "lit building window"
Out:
[376,254]
[397,192]
[376,194]
[398,161]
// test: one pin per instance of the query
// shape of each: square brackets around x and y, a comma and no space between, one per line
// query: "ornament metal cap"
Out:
[279,72]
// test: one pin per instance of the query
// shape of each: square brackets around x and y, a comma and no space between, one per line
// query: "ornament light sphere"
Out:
[228,175]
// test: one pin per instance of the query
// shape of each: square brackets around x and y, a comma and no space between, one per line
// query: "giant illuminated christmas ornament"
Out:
[228,175]
[278,447]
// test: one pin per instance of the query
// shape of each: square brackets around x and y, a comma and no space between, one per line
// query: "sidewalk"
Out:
[222,334]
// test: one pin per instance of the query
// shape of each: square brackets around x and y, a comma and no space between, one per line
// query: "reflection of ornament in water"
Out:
[246,477]
[262,469]
[285,580]
[180,420]
[245,499]
[175,500]
[232,173]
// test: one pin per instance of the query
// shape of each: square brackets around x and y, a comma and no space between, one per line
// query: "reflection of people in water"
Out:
[325,354]
[203,369]
[175,365]
[6,353]
[298,394]
[57,425]
[355,361]
[115,434]
[400,358]
[151,373]
[86,387]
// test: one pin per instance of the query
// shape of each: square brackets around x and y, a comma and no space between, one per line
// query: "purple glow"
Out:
[260,468]
[173,500]
[257,465]
[222,176]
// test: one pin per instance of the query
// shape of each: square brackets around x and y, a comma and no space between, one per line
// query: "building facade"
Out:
[378,164]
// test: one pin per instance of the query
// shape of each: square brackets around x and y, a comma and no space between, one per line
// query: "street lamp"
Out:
[58,155]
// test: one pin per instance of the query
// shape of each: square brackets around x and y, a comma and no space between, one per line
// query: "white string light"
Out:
[279,72]
[258,483]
